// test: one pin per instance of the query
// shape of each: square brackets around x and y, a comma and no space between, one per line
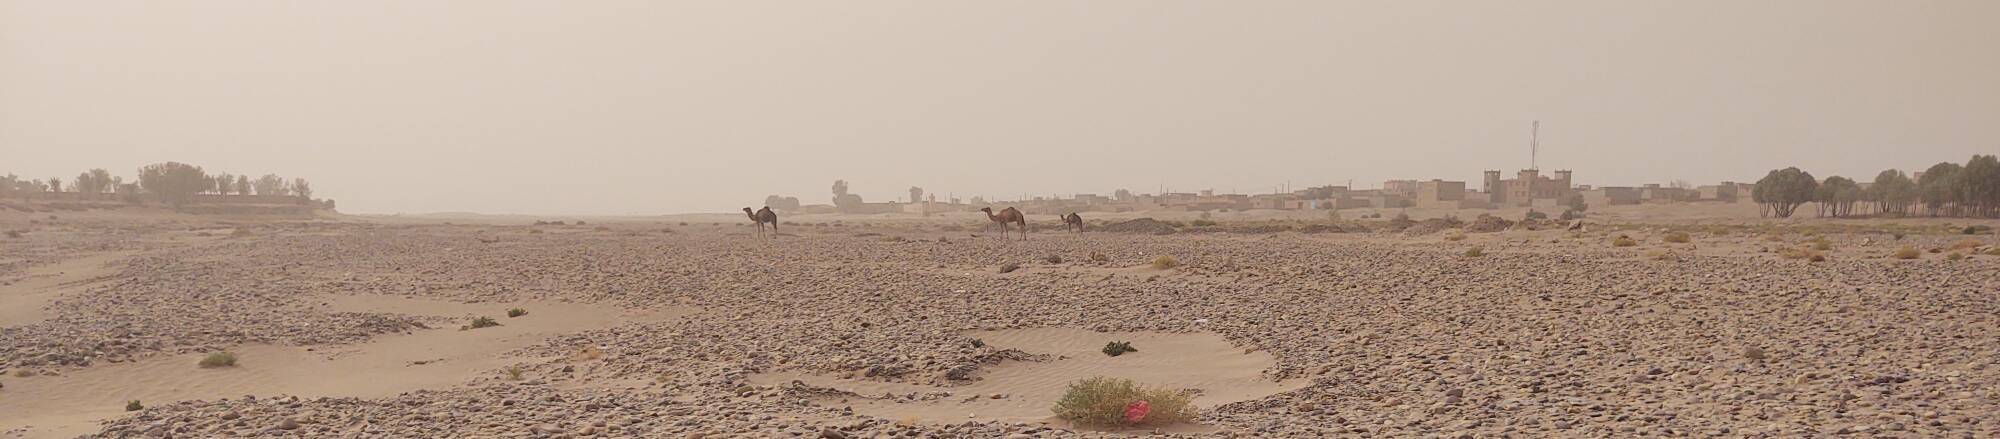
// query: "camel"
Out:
[1073,221]
[761,217]
[1008,215]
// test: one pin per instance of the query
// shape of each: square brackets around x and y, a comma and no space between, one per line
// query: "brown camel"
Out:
[1008,215]
[1073,221]
[761,217]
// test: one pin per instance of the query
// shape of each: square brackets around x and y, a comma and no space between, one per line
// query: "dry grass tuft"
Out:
[514,373]
[218,359]
[1821,244]
[1623,241]
[134,405]
[1676,237]
[1953,256]
[1964,244]
[1454,236]
[588,353]
[1475,252]
[1659,255]
[481,322]
[1105,402]
[1099,257]
[1801,253]
[516,312]
[1165,262]
[1907,252]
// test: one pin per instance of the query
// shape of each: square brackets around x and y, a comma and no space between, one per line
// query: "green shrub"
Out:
[1117,348]
[219,359]
[1103,402]
[516,312]
[134,405]
[481,322]
[1164,262]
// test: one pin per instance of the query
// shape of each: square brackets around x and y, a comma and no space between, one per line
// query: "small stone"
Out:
[288,424]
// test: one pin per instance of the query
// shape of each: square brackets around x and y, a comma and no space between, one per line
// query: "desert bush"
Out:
[1454,236]
[134,405]
[1009,267]
[1164,262]
[1053,259]
[1659,255]
[219,359]
[481,322]
[1816,257]
[1906,252]
[1099,257]
[1475,252]
[516,312]
[1800,253]
[1623,241]
[1106,402]
[1676,237]
[1953,256]
[1117,348]
[514,373]
[1821,244]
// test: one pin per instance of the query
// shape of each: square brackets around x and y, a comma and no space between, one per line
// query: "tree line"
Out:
[1944,189]
[172,182]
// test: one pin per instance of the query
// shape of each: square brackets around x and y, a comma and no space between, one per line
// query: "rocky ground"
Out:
[1547,333]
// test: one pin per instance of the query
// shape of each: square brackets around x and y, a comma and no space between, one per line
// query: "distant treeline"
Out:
[171,182]
[1945,189]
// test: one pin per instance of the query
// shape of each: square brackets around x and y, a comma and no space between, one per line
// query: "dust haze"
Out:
[669,107]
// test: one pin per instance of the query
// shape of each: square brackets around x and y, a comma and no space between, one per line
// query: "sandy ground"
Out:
[908,327]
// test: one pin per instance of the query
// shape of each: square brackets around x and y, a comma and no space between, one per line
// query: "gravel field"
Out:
[1548,333]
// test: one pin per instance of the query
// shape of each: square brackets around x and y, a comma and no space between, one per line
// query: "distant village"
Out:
[1527,188]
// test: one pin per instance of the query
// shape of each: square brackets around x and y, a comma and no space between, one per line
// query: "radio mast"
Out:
[1534,144]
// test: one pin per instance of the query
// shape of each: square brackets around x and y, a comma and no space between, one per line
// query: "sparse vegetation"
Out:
[1659,255]
[1676,237]
[516,312]
[1801,253]
[1108,402]
[1821,244]
[1623,241]
[134,405]
[1117,348]
[588,353]
[1964,244]
[1454,236]
[481,322]
[1053,259]
[1009,267]
[1099,257]
[1201,223]
[1906,252]
[514,373]
[1475,252]
[218,359]
[1164,262]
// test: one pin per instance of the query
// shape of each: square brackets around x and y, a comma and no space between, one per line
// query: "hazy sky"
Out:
[606,107]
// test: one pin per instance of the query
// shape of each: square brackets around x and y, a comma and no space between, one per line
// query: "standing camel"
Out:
[762,216]
[1073,221]
[1008,215]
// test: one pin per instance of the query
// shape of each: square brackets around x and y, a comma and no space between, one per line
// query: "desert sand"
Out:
[1284,324]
